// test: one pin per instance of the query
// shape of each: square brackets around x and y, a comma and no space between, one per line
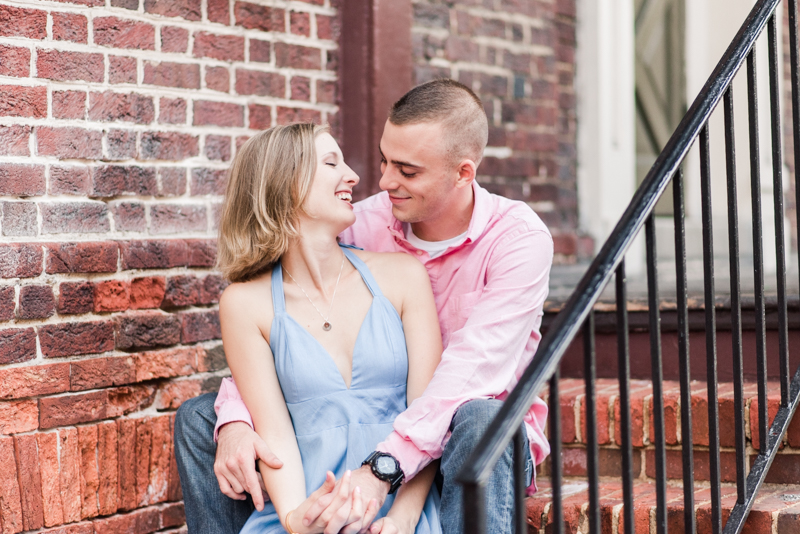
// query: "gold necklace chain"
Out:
[327,324]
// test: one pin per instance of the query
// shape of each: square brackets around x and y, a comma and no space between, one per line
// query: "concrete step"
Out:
[777,508]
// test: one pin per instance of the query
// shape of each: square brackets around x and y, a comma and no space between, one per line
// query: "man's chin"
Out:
[404,216]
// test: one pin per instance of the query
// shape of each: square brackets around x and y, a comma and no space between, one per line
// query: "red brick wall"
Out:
[519,57]
[118,120]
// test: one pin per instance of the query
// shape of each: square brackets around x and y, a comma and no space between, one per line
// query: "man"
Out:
[488,259]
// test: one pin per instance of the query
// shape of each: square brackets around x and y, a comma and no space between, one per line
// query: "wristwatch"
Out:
[385,467]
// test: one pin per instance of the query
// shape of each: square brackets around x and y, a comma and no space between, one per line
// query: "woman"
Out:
[327,344]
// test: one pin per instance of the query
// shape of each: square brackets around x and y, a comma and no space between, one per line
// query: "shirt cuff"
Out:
[230,412]
[411,459]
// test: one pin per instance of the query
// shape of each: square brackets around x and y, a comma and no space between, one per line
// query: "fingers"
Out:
[227,490]
[265,455]
[335,516]
[377,526]
[369,514]
[323,496]
[252,486]
[353,521]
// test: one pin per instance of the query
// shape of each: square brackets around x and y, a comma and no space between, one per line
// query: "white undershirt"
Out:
[433,248]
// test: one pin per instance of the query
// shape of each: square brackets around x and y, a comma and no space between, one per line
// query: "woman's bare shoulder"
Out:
[251,298]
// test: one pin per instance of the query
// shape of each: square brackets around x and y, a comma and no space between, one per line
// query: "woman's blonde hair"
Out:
[268,183]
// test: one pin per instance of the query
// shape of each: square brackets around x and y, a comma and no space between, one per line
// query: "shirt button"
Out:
[419,253]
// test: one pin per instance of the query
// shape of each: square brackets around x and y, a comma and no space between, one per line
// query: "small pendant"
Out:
[326,326]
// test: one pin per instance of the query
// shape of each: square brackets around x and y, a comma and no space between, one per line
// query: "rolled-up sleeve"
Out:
[230,406]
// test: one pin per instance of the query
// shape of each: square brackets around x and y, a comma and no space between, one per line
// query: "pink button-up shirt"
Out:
[489,293]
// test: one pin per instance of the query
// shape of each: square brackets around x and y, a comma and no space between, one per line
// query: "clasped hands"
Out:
[346,506]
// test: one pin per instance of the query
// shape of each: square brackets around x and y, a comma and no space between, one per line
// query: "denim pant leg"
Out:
[468,426]
[208,510]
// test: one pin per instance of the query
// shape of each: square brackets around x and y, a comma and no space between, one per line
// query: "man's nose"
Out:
[387,181]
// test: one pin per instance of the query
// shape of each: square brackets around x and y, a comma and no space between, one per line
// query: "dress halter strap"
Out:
[278,298]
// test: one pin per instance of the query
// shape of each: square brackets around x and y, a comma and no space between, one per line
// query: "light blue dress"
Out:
[337,427]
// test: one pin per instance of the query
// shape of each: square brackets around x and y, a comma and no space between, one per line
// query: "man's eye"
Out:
[407,175]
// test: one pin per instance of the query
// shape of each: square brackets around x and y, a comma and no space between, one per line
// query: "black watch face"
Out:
[386,465]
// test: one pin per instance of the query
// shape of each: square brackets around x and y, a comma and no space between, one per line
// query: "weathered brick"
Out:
[144,330]
[21,22]
[207,113]
[121,144]
[15,61]
[69,142]
[114,180]
[18,416]
[21,382]
[17,345]
[129,399]
[84,527]
[69,104]
[7,302]
[126,430]
[160,454]
[260,51]
[36,302]
[14,139]
[71,339]
[222,47]
[74,217]
[147,292]
[218,11]
[258,17]
[208,181]
[72,409]
[172,181]
[75,297]
[328,28]
[199,326]
[19,101]
[250,82]
[87,440]
[298,57]
[174,39]
[260,116]
[121,33]
[69,474]
[172,146]
[161,254]
[101,372]
[168,74]
[70,27]
[181,290]
[201,252]
[126,4]
[111,296]
[19,218]
[10,504]
[177,218]
[121,69]
[29,480]
[186,9]
[144,439]
[47,443]
[128,107]
[173,515]
[129,216]
[175,392]
[21,180]
[172,111]
[301,88]
[289,115]
[300,23]
[218,79]
[23,260]
[73,180]
[166,364]
[218,147]
[108,467]
[90,257]
[69,66]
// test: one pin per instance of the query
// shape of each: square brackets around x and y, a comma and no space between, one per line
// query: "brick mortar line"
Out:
[495,42]
[505,16]
[46,5]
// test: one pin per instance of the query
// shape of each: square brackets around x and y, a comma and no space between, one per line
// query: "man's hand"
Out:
[388,525]
[238,448]
[372,489]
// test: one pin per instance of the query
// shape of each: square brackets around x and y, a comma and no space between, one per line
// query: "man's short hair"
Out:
[453,105]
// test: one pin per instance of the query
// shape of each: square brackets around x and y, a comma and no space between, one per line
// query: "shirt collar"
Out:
[481,214]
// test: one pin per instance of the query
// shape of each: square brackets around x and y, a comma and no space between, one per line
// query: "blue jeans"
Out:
[208,511]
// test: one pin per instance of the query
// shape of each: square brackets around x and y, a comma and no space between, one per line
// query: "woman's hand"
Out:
[344,515]
[388,525]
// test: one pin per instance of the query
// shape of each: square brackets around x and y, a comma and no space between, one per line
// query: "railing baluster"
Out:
[592,453]
[474,508]
[556,508]
[758,254]
[520,523]
[711,334]
[777,190]
[795,81]
[623,354]
[657,375]
[736,304]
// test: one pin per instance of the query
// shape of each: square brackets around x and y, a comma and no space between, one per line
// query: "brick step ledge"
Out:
[777,508]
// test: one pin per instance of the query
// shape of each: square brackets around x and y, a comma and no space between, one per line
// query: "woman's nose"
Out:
[351,177]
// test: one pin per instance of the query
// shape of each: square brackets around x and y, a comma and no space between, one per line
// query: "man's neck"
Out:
[451,223]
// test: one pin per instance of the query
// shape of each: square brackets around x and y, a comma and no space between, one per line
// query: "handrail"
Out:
[570,320]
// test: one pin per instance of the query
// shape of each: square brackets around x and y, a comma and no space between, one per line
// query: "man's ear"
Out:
[467,170]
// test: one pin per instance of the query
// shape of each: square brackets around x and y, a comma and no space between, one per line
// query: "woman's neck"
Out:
[314,261]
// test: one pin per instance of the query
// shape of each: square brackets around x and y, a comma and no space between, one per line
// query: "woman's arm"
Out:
[253,367]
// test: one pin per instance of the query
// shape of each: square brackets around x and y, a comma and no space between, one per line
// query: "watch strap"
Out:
[394,481]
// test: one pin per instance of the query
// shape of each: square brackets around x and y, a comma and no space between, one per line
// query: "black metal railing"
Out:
[577,314]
